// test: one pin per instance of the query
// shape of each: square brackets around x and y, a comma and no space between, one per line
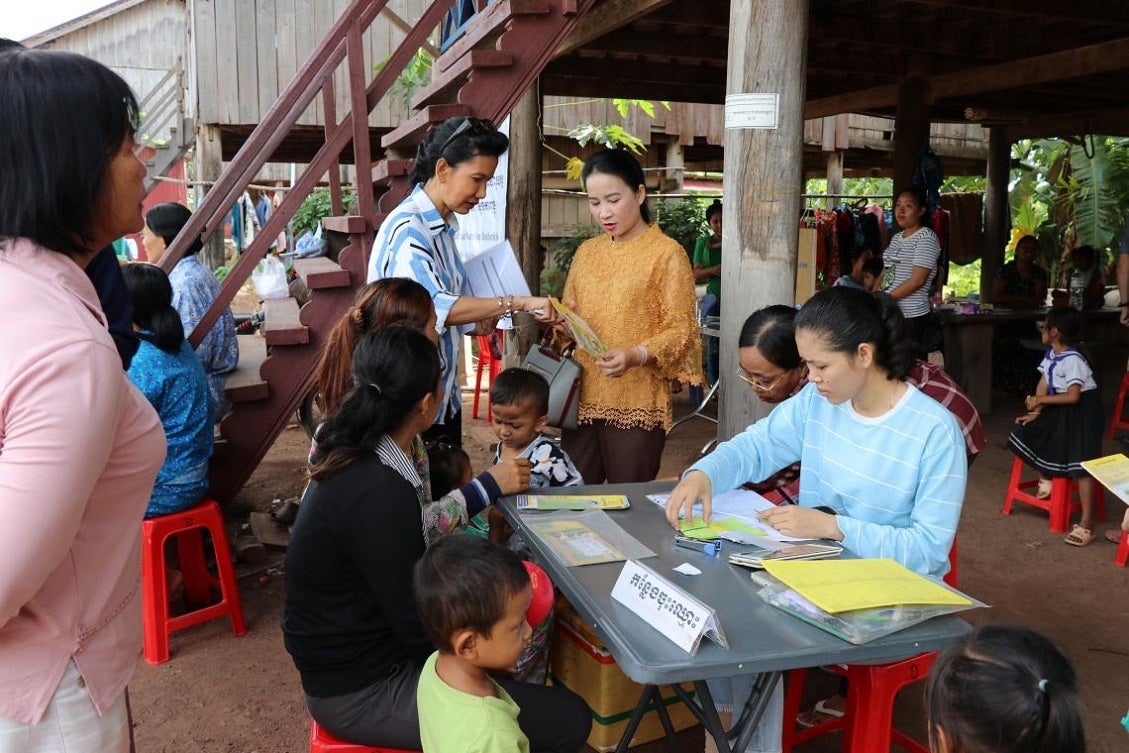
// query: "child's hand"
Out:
[1031,402]
[1027,418]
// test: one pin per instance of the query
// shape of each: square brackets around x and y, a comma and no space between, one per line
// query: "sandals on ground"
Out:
[1079,536]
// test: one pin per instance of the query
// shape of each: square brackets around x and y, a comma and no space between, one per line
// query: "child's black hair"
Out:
[1068,321]
[448,465]
[463,582]
[518,386]
[874,266]
[1004,690]
[150,292]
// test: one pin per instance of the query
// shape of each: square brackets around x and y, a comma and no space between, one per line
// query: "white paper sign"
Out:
[666,607]
[752,111]
[485,224]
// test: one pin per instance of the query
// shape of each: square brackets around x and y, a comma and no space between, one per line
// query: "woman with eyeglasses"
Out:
[453,165]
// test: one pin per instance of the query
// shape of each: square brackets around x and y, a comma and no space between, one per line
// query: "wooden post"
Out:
[763,182]
[523,211]
[996,230]
[209,165]
[911,127]
[834,177]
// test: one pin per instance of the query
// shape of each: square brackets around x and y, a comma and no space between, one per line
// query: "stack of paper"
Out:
[845,585]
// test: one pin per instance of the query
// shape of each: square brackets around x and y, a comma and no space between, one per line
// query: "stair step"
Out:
[282,325]
[321,273]
[487,25]
[448,81]
[244,383]
[347,225]
[407,136]
[387,169]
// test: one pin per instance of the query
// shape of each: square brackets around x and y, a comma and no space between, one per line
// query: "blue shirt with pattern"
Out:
[176,386]
[416,242]
[194,288]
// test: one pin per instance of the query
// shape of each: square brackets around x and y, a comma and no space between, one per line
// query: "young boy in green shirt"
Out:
[472,598]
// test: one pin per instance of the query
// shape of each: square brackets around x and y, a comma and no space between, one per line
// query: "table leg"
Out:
[751,715]
[650,693]
[968,360]
[701,705]
[664,719]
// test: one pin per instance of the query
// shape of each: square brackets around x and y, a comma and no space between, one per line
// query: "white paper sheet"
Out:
[495,272]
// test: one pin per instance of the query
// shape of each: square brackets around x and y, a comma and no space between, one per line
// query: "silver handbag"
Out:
[563,375]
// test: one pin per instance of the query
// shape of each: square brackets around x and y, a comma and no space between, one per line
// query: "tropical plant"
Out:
[314,207]
[684,220]
[609,136]
[416,73]
[558,259]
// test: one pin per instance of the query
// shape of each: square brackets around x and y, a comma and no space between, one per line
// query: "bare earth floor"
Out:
[219,694]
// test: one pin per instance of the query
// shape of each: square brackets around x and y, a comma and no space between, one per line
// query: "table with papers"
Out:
[763,640]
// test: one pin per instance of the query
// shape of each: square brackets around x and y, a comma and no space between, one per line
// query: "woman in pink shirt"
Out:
[79,445]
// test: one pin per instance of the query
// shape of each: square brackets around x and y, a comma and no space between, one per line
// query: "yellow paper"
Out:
[582,332]
[1112,472]
[700,529]
[844,585]
[572,502]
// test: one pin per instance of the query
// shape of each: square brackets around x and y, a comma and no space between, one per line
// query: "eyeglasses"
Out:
[744,377]
[473,126]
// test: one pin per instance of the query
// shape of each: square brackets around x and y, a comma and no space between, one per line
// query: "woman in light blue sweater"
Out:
[882,465]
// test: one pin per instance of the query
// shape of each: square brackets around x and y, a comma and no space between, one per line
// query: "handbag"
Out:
[562,372]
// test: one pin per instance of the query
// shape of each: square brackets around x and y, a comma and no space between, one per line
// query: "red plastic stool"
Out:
[186,527]
[486,360]
[1119,422]
[867,721]
[1060,504]
[1122,556]
[543,596]
[323,742]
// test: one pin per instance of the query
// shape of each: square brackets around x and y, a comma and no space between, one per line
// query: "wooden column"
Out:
[911,127]
[763,183]
[523,211]
[996,228]
[834,177]
[675,164]
[209,165]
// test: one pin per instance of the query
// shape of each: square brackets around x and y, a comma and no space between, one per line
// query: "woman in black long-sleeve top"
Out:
[350,622]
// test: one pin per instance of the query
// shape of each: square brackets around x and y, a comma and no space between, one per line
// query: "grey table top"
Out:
[761,637]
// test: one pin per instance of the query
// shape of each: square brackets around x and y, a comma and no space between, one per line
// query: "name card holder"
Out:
[676,614]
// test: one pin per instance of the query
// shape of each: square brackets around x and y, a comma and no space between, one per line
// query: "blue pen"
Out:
[705,547]
[787,498]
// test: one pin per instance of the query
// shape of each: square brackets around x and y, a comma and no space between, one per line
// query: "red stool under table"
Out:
[323,742]
[486,360]
[187,526]
[1060,504]
[1119,423]
[1122,556]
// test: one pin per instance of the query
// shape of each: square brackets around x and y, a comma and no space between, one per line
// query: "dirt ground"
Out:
[220,694]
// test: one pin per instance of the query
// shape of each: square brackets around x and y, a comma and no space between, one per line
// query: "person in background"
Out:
[911,266]
[1021,283]
[1003,690]
[194,289]
[349,622]
[79,445]
[472,598]
[707,269]
[634,287]
[1085,275]
[170,376]
[449,466]
[872,274]
[453,165]
[1123,273]
[855,275]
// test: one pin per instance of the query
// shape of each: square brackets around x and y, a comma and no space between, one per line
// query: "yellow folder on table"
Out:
[844,585]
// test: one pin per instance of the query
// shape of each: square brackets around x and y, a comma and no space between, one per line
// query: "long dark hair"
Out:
[476,137]
[393,300]
[846,318]
[1004,690]
[167,220]
[393,369]
[65,118]
[772,331]
[622,165]
[150,292]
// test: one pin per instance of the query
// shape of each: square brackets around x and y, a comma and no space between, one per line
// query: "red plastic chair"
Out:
[1119,422]
[323,742]
[486,360]
[1060,504]
[187,526]
[867,721]
[1122,556]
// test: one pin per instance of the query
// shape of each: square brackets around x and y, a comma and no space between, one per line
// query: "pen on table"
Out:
[787,497]
[705,547]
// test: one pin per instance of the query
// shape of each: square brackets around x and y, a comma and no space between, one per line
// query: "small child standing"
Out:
[472,598]
[519,399]
[1064,423]
[1003,690]
[449,467]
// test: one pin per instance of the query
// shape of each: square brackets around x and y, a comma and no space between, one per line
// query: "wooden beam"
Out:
[666,45]
[567,86]
[1096,12]
[1111,121]
[606,18]
[1104,57]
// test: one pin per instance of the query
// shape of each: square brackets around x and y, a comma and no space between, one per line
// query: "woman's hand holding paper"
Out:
[695,486]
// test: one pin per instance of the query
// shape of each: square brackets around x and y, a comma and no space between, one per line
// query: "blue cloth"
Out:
[896,482]
[175,384]
[194,288]
[415,241]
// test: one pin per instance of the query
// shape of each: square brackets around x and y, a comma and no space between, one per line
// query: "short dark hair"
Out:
[65,118]
[1068,321]
[463,582]
[845,318]
[516,386]
[1004,690]
[167,220]
[623,165]
[478,137]
[150,292]
[447,464]
[712,209]
[771,330]
[874,266]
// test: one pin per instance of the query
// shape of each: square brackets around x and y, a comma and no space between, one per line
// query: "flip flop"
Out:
[1079,536]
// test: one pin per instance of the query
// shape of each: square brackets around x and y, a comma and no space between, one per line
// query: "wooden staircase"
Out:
[488,62]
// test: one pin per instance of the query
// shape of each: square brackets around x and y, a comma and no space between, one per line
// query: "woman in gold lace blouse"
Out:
[635,287]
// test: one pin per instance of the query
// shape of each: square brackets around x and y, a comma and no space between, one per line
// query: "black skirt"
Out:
[1062,437]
